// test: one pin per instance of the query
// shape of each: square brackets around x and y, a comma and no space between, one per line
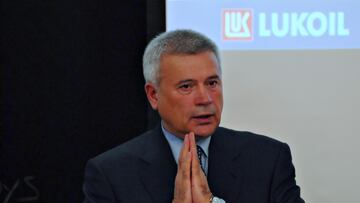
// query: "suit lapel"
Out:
[225,167]
[158,168]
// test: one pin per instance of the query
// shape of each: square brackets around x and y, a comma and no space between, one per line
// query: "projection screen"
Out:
[291,71]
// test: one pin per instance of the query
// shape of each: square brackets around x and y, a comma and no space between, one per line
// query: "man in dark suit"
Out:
[188,157]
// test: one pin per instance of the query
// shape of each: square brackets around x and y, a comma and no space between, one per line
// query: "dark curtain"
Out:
[72,87]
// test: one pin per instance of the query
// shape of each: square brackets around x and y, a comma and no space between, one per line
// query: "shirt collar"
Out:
[176,143]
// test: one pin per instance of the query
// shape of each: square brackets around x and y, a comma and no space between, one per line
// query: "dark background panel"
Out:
[155,20]
[72,87]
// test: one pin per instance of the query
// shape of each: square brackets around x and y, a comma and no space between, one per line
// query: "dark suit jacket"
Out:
[243,167]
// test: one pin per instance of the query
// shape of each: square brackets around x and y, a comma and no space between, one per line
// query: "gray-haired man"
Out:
[188,157]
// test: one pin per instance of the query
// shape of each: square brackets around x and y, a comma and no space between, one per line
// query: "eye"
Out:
[185,88]
[213,83]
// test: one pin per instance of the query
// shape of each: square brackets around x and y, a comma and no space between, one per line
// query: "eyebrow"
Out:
[184,81]
[214,77]
[191,80]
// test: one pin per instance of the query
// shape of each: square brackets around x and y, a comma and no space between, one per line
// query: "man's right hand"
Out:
[182,193]
[200,190]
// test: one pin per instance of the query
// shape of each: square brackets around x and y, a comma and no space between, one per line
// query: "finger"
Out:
[182,190]
[184,152]
[193,149]
[199,186]
[184,162]
[184,165]
[195,164]
[192,140]
[184,148]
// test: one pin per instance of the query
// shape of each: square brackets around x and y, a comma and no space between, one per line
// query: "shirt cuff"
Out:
[217,200]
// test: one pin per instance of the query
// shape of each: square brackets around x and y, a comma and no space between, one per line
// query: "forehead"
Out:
[189,65]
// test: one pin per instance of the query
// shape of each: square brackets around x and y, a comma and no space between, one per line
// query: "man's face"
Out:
[189,95]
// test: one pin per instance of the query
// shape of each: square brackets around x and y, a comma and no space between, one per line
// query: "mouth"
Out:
[203,118]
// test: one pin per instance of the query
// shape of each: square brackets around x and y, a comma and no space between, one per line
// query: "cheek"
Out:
[175,105]
[219,104]
[218,97]
[183,107]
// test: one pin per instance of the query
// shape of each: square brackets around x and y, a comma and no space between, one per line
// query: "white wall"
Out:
[308,99]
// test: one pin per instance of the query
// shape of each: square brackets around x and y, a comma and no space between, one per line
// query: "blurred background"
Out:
[291,72]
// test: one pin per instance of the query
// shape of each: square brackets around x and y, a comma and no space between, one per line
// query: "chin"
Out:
[204,131]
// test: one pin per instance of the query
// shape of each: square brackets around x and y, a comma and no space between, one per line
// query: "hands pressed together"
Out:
[191,185]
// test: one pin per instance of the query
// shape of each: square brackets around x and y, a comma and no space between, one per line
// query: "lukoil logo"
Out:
[238,25]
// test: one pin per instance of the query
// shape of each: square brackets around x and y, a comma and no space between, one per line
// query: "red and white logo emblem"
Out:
[237,24]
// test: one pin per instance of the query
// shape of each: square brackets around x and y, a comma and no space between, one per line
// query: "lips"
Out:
[203,118]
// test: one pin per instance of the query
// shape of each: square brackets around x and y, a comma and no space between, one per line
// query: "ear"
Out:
[151,94]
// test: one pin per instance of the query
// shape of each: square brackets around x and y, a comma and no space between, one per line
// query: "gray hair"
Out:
[174,42]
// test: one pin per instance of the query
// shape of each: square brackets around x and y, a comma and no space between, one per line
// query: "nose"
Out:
[203,96]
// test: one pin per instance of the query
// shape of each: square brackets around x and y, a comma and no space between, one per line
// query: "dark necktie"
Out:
[200,153]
